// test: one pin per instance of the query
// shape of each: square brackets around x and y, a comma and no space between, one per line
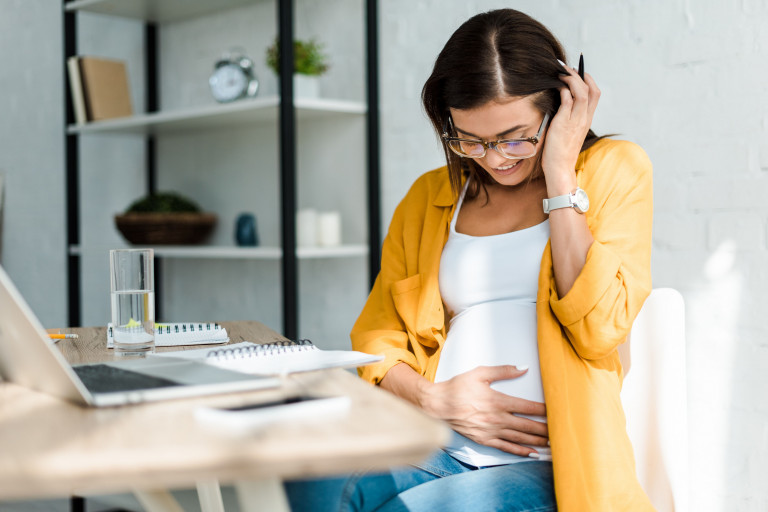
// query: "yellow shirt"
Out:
[578,334]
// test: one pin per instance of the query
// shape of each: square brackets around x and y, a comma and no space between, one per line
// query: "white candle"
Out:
[306,228]
[329,229]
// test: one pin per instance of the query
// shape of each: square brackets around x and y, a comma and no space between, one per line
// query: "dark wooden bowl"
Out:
[165,228]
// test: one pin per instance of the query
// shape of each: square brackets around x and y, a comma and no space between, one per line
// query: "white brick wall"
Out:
[689,82]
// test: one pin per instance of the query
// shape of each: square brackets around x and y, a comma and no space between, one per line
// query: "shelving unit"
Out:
[248,111]
[154,11]
[281,110]
[250,253]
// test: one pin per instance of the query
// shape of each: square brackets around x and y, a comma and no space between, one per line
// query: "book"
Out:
[76,89]
[105,88]
[179,334]
[276,358]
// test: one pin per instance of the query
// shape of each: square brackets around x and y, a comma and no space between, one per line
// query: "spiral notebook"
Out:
[276,358]
[178,334]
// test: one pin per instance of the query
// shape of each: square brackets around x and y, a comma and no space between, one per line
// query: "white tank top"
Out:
[489,285]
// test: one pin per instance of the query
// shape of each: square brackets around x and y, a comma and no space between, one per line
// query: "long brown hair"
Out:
[494,55]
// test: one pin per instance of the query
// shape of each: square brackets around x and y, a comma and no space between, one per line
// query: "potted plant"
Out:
[165,218]
[309,62]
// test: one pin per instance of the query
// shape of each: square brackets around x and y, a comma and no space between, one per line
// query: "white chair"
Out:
[1,216]
[654,399]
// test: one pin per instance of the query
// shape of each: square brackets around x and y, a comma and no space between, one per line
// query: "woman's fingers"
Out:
[527,426]
[594,93]
[579,91]
[501,420]
[566,104]
[580,97]
[520,405]
[515,436]
[506,434]
[500,372]
[512,448]
[510,440]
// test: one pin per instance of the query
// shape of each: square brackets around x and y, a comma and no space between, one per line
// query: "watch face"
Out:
[228,82]
[581,200]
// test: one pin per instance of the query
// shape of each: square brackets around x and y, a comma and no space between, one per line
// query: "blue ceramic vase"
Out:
[245,230]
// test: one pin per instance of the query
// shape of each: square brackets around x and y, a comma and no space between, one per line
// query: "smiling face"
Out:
[514,118]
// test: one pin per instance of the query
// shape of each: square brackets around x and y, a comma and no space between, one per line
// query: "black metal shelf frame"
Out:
[72,187]
[287,134]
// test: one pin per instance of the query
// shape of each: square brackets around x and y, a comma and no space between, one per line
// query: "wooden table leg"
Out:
[209,493]
[158,501]
[260,495]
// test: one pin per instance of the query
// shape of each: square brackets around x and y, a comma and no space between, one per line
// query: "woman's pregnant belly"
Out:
[491,334]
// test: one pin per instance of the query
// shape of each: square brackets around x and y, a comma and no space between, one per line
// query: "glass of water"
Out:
[133,301]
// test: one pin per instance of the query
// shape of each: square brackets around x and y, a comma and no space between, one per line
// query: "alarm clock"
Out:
[233,78]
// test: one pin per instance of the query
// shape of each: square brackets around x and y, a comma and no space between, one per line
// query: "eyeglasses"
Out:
[508,148]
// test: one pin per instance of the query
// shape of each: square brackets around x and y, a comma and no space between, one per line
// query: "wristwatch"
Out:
[577,200]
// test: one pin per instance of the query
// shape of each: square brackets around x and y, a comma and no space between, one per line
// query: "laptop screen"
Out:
[27,355]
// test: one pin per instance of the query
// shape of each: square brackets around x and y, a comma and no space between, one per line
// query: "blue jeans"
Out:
[439,483]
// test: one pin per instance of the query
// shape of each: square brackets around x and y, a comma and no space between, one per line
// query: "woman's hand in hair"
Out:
[567,130]
[472,408]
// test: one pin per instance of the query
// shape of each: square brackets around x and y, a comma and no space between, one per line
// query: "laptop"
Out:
[29,358]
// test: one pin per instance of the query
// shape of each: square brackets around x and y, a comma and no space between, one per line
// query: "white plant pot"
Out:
[306,86]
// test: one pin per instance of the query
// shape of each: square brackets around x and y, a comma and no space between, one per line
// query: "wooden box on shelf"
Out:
[165,228]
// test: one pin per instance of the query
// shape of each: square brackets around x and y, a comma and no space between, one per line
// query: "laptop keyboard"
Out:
[101,378]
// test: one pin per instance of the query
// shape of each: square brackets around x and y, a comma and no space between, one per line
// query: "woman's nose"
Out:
[494,159]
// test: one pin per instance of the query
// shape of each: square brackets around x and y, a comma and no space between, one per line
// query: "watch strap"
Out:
[553,203]
[564,201]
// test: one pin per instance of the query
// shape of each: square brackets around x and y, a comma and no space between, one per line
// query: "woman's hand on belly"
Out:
[485,415]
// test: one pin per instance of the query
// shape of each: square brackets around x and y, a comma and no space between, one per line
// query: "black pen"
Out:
[581,66]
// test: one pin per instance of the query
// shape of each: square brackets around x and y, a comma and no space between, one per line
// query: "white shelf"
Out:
[342,251]
[218,252]
[158,11]
[249,253]
[247,111]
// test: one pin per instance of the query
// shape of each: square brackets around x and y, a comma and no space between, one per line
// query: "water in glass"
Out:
[133,321]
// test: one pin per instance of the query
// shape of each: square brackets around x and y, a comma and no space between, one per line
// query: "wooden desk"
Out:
[51,448]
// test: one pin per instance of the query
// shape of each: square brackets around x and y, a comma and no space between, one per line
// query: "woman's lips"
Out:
[505,170]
